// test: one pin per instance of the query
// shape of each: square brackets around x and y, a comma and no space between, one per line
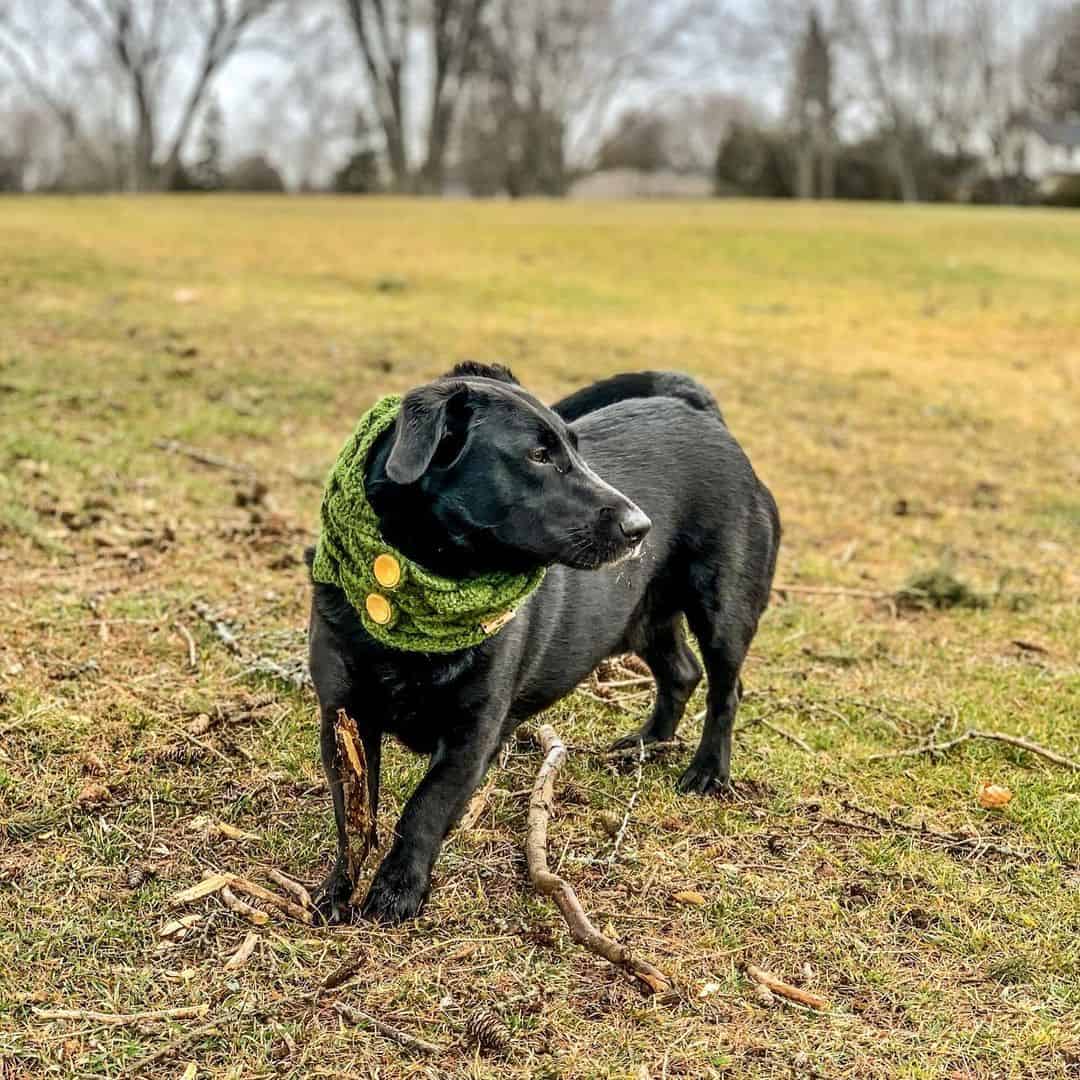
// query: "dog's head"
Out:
[503,478]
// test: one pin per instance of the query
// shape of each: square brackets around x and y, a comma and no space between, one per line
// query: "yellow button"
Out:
[378,608]
[387,571]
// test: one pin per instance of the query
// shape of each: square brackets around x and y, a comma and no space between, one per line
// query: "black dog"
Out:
[478,475]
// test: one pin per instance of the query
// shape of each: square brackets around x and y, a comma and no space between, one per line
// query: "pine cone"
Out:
[486,1028]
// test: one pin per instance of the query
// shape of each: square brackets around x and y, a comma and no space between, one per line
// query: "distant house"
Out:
[637,184]
[1045,151]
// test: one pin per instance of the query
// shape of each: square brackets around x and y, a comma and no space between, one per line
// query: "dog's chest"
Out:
[419,703]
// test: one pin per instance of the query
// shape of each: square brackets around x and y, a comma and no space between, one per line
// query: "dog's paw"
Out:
[704,779]
[397,893]
[631,741]
[332,899]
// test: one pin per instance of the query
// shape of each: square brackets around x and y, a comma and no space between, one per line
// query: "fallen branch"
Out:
[778,986]
[184,1012]
[387,1031]
[243,954]
[272,898]
[477,805]
[169,1048]
[560,891]
[242,908]
[303,897]
[976,844]
[975,733]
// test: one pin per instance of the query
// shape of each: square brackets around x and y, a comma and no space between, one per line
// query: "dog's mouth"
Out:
[605,555]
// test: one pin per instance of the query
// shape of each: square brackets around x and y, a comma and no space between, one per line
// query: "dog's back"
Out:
[632,385]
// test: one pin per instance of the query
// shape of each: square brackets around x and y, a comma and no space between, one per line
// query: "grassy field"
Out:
[907,381]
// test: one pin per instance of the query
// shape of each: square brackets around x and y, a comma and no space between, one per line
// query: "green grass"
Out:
[907,381]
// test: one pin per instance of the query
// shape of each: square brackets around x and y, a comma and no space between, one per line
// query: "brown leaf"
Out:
[689,896]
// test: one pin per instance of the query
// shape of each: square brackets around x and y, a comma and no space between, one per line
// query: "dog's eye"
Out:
[540,456]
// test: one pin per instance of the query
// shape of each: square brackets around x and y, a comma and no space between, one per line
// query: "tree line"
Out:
[902,99]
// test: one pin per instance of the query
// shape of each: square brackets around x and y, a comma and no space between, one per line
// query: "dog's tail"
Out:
[636,384]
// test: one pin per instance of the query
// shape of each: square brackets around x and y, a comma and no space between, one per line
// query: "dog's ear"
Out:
[421,425]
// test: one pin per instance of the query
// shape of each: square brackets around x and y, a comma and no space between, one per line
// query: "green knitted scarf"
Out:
[399,602]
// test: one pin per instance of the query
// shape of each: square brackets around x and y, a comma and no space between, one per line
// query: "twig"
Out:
[287,906]
[834,590]
[242,908]
[476,805]
[976,844]
[778,986]
[975,733]
[184,1012]
[243,954]
[548,884]
[388,1031]
[169,1048]
[203,457]
[802,744]
[630,805]
[202,745]
[303,897]
[651,750]
[192,653]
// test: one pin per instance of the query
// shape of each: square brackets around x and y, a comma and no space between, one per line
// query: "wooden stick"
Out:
[184,1012]
[287,906]
[243,954]
[778,986]
[241,908]
[303,897]
[171,1047]
[975,733]
[476,806]
[353,776]
[211,883]
[548,884]
[388,1031]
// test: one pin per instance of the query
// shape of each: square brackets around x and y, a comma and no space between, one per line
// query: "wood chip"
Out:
[212,883]
[243,954]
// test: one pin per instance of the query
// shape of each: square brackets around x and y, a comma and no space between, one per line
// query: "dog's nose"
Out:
[634,524]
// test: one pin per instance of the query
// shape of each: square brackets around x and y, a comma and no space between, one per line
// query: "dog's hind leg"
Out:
[677,674]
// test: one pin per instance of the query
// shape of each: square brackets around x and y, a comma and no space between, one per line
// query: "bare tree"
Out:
[142,41]
[386,32]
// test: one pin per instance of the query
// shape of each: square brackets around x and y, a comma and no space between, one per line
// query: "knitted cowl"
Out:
[401,604]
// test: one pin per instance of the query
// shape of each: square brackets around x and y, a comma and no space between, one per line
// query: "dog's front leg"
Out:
[403,880]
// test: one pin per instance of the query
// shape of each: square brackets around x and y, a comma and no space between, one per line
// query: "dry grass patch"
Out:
[907,382]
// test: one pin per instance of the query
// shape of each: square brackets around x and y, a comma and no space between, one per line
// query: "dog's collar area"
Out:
[400,603]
